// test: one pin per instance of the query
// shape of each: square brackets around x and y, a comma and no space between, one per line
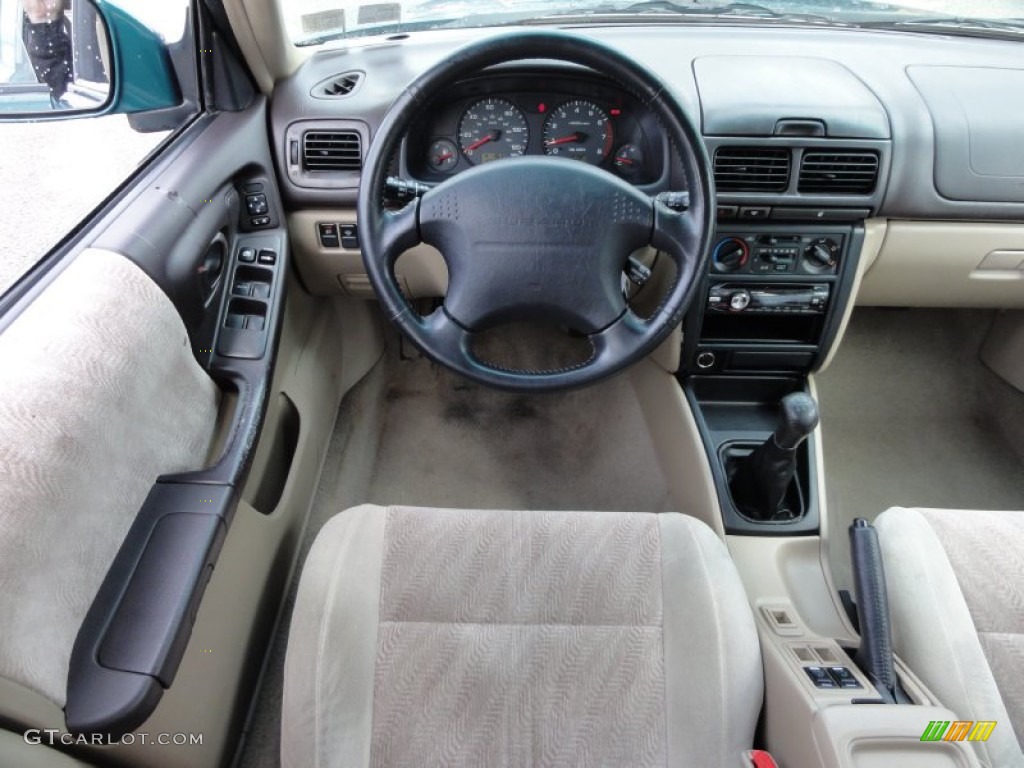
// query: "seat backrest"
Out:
[955,580]
[99,395]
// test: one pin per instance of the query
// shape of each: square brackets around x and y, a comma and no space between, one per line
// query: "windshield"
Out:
[311,22]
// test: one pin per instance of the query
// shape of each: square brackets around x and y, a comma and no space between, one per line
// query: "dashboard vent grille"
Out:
[332,151]
[340,86]
[849,172]
[752,169]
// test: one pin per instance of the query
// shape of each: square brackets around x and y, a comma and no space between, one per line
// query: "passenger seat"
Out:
[956,591]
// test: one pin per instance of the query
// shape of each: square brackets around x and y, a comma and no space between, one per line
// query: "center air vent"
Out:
[339,86]
[752,169]
[847,172]
[331,151]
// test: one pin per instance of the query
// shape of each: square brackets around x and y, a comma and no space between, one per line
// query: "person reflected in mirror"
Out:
[46,33]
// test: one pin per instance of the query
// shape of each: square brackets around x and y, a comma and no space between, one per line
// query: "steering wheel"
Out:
[537,238]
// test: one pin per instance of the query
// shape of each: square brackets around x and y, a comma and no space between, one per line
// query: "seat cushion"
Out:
[466,637]
[956,589]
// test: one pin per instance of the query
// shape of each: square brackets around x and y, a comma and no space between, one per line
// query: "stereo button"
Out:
[739,301]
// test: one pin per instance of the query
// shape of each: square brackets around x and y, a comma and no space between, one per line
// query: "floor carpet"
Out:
[912,417]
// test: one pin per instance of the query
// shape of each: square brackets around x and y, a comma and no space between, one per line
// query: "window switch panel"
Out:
[820,677]
[844,677]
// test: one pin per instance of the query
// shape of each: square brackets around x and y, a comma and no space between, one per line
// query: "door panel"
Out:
[139,530]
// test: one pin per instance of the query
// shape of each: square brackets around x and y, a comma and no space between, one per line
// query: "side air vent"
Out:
[331,151]
[752,169]
[339,86]
[839,173]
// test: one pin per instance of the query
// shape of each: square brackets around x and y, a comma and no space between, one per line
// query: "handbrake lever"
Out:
[874,657]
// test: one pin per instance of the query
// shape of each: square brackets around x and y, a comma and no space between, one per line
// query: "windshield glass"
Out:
[311,22]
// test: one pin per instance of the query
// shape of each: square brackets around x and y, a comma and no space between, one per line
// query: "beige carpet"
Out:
[911,417]
[411,433]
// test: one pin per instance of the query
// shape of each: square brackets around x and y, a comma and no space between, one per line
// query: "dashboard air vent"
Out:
[339,86]
[848,172]
[331,151]
[752,169]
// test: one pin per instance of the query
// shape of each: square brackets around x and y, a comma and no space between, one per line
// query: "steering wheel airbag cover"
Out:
[565,224]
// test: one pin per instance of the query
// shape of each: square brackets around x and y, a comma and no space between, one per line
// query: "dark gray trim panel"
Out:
[877,59]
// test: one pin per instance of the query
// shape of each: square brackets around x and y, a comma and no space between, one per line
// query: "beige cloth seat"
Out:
[426,637]
[956,594]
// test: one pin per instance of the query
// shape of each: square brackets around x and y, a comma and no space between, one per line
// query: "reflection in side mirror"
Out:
[54,57]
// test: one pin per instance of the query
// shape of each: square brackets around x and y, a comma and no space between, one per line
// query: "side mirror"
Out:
[69,58]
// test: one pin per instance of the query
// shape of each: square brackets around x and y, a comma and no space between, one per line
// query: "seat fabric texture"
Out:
[955,580]
[486,638]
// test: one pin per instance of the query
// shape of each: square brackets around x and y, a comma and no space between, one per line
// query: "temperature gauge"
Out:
[442,156]
[629,160]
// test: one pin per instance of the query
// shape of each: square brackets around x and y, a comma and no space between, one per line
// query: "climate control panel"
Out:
[776,254]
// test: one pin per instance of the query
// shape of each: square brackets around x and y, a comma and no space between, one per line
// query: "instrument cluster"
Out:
[503,117]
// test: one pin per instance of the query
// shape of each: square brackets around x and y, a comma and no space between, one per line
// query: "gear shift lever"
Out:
[761,479]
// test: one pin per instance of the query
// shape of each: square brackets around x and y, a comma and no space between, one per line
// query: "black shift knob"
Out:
[759,481]
[798,416]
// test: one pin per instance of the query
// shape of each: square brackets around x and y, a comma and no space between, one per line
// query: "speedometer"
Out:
[580,130]
[492,129]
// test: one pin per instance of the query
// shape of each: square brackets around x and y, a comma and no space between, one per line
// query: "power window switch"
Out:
[844,677]
[242,289]
[267,257]
[261,290]
[254,322]
[820,677]
[235,321]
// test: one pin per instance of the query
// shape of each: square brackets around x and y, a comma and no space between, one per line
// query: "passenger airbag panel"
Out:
[979,155]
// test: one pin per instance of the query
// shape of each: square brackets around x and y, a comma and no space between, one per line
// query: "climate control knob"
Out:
[730,255]
[822,254]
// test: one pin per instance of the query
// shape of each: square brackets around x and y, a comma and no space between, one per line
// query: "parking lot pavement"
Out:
[52,175]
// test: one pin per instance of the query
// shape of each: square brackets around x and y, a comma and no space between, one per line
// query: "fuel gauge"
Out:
[629,160]
[442,156]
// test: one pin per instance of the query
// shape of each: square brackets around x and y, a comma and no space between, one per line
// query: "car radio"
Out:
[759,298]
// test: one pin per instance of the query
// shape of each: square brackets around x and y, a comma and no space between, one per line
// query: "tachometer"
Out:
[580,130]
[492,129]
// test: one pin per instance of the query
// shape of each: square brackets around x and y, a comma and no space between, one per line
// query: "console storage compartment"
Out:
[880,735]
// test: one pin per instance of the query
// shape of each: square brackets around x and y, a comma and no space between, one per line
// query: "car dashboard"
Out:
[851,167]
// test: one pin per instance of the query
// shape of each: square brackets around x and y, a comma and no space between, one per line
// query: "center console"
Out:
[770,307]
[772,298]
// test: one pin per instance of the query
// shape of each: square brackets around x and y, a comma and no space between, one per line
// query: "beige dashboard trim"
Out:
[677,442]
[874,237]
[421,270]
[947,264]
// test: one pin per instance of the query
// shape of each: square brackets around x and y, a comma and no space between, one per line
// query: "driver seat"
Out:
[480,638]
